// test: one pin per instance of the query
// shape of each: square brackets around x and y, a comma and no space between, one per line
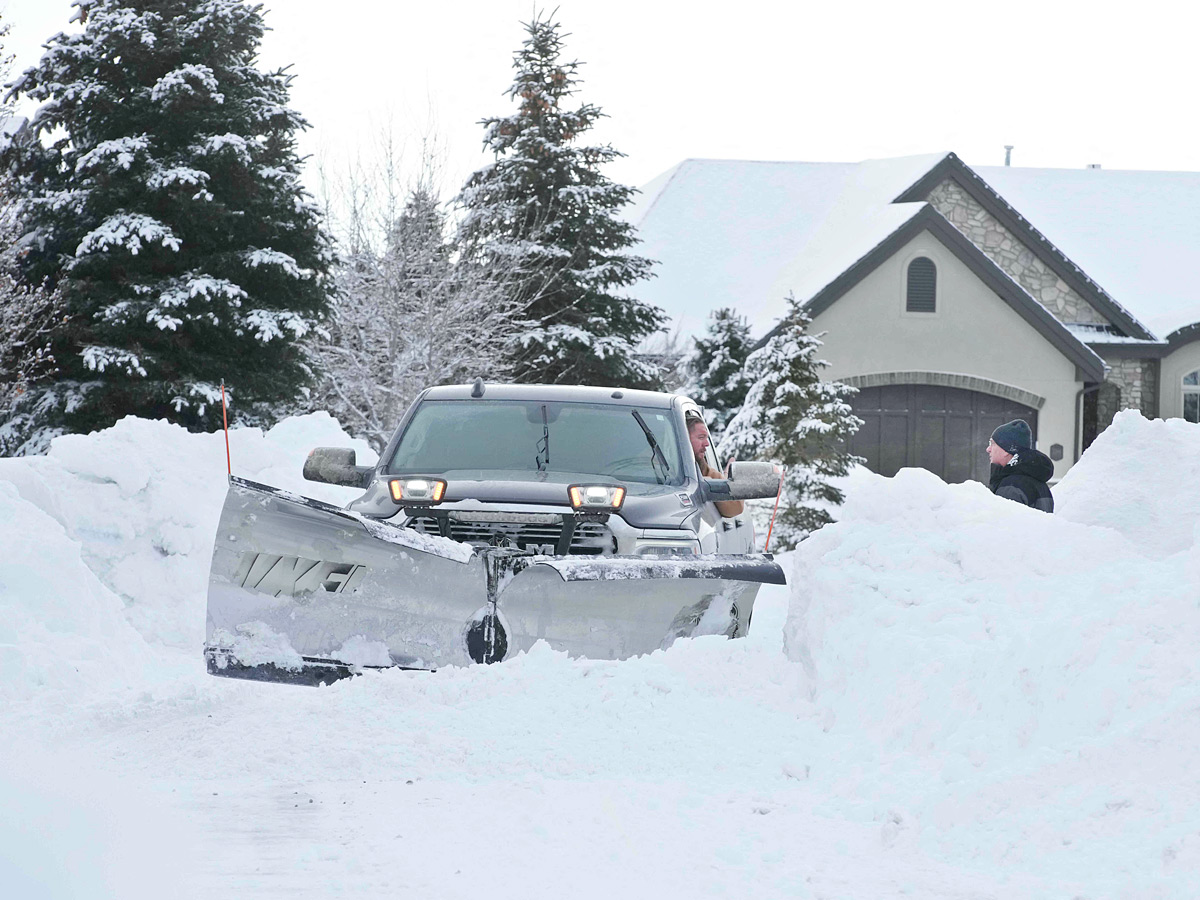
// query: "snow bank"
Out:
[1141,478]
[994,670]
[143,499]
[60,628]
[976,699]
[945,617]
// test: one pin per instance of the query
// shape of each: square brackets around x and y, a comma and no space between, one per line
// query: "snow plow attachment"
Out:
[307,592]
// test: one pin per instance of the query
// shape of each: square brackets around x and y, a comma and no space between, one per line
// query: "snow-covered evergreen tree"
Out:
[793,417]
[409,315]
[716,368]
[545,207]
[164,201]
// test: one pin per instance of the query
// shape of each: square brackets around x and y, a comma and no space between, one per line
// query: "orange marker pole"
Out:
[225,419]
[767,545]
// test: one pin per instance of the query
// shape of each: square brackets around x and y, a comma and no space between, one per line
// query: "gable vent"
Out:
[922,286]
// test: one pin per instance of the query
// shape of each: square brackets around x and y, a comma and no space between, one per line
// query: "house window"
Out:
[1191,396]
[922,286]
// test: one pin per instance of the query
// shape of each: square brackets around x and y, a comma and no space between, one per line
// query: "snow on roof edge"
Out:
[1055,250]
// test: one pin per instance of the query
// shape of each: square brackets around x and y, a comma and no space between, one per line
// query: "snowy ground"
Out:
[958,698]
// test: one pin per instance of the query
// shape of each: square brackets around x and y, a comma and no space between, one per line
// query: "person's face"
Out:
[997,454]
[698,435]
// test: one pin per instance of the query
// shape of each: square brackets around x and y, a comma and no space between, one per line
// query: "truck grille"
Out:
[588,539]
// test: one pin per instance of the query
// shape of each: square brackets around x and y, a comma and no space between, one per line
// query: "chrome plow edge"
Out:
[305,592]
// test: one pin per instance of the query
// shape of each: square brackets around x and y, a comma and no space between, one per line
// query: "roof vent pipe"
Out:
[1008,154]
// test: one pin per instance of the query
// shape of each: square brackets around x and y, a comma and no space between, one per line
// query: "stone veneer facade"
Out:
[1131,383]
[1138,381]
[1007,251]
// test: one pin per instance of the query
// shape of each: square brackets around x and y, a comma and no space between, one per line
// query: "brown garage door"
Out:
[941,429]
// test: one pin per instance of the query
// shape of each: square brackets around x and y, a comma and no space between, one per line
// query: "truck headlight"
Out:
[417,491]
[667,549]
[607,497]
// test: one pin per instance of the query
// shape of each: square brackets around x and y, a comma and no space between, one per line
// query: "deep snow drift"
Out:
[960,698]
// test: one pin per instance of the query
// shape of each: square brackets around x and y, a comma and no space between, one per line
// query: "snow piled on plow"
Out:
[958,697]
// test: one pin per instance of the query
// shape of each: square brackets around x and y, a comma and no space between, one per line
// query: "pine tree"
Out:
[793,417]
[545,208]
[716,368]
[164,201]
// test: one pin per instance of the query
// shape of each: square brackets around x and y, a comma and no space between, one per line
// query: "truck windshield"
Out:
[446,436]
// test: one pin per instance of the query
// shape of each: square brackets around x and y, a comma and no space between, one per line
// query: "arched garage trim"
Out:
[948,379]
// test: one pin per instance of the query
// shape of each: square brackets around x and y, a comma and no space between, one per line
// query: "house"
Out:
[954,298]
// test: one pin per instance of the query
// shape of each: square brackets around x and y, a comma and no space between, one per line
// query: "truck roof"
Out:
[563,393]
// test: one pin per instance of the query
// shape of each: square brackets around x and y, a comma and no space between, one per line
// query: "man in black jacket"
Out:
[1018,471]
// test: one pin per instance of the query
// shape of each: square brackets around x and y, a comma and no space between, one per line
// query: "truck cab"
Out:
[509,455]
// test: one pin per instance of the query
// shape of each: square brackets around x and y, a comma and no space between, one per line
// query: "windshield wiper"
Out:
[656,454]
[543,446]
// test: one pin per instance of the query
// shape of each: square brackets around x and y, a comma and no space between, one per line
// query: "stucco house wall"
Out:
[973,332]
[1174,366]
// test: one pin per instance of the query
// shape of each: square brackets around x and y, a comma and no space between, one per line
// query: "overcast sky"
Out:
[1067,83]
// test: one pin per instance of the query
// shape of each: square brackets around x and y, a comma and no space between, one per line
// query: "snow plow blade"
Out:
[303,591]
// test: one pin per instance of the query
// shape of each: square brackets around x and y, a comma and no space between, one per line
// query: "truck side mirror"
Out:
[335,465]
[747,481]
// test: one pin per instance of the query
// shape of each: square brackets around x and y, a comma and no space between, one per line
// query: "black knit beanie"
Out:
[1013,436]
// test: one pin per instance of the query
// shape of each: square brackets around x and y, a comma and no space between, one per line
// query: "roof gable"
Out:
[996,279]
[951,167]
[1136,233]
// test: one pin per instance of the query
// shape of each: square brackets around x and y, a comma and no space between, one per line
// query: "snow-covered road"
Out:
[690,773]
[916,717]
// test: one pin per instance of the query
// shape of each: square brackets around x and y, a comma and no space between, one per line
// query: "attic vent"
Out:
[922,286]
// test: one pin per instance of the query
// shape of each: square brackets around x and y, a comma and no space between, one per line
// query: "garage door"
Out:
[941,429]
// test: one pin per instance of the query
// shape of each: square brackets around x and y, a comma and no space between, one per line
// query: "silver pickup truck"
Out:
[517,448]
[497,515]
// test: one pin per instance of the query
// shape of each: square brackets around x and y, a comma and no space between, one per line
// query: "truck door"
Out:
[732,534]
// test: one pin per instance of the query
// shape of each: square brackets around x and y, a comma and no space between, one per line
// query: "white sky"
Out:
[1067,83]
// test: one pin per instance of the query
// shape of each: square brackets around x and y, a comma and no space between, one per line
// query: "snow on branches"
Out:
[411,312]
[128,232]
[544,208]
[793,417]
[159,192]
[716,368]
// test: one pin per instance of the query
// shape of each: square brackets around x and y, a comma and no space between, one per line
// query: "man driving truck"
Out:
[700,440]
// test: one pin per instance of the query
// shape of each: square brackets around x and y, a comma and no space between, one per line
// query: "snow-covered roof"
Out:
[1102,334]
[744,234]
[1136,234]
